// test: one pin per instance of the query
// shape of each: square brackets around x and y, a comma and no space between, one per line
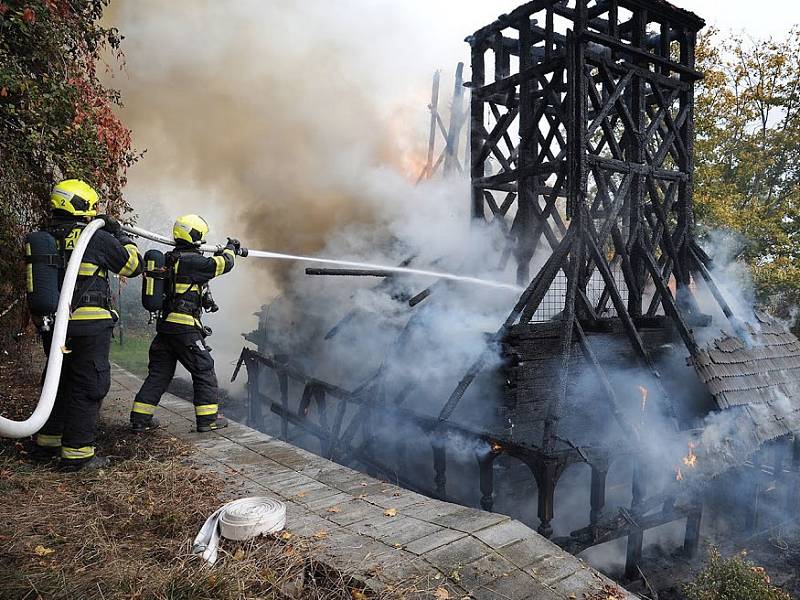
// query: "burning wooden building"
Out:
[582,138]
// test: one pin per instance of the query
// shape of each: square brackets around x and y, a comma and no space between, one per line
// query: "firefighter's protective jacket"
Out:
[91,301]
[191,271]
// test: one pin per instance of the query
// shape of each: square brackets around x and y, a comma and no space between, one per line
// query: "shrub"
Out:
[733,578]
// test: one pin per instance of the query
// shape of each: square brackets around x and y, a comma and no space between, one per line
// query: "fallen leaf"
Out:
[301,494]
[398,546]
[357,595]
[441,594]
[321,535]
[334,509]
[239,554]
[286,536]
[42,551]
[390,512]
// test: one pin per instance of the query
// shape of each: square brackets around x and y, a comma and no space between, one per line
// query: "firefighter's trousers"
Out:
[85,381]
[166,351]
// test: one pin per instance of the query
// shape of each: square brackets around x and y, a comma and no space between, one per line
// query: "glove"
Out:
[112,226]
[235,244]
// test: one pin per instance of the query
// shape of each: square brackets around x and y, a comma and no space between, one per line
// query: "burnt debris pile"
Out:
[581,161]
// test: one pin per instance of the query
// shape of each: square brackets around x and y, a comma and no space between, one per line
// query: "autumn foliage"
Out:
[747,179]
[56,117]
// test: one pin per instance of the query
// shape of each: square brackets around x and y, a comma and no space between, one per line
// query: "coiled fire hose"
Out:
[239,520]
[21,429]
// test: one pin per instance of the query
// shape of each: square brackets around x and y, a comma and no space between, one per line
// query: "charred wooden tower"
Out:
[599,95]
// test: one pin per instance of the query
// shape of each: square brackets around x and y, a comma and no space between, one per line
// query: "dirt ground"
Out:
[124,532]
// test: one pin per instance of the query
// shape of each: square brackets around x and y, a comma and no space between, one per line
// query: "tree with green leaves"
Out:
[747,177]
[57,118]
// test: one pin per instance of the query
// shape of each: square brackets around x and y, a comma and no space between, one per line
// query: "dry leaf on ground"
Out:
[42,551]
[334,509]
[390,512]
[441,594]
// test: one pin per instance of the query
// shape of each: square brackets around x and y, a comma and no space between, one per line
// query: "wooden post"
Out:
[283,382]
[633,556]
[691,540]
[434,108]
[439,464]
[546,473]
[486,470]
[477,109]
[635,153]
[456,122]
[597,498]
[528,185]
[255,415]
[751,517]
[793,491]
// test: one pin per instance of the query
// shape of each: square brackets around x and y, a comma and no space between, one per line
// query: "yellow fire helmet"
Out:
[75,197]
[191,229]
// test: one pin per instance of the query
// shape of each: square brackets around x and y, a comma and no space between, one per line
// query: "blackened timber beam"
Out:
[668,302]
[667,12]
[457,118]
[349,272]
[503,21]
[636,168]
[480,91]
[639,53]
[531,297]
[477,169]
[624,66]
[716,292]
[296,374]
[619,527]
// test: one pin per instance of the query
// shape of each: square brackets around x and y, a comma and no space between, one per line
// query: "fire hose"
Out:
[21,429]
[239,520]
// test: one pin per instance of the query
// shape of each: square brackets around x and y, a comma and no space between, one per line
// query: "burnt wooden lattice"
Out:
[585,151]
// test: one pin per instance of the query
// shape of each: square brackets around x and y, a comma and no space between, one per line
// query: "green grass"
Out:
[132,353]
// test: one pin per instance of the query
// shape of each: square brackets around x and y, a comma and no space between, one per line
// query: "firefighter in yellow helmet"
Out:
[180,336]
[85,374]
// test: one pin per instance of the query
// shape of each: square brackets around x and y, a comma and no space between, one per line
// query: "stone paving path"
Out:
[469,552]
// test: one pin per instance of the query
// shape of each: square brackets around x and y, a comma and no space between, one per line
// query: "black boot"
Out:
[145,425]
[43,454]
[219,423]
[94,463]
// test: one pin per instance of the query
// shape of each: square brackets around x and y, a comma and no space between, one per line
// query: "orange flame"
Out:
[497,447]
[690,460]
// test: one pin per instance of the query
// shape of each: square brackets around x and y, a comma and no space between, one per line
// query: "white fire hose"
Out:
[239,520]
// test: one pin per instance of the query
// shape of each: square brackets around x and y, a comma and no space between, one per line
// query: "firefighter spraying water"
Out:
[174,288]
